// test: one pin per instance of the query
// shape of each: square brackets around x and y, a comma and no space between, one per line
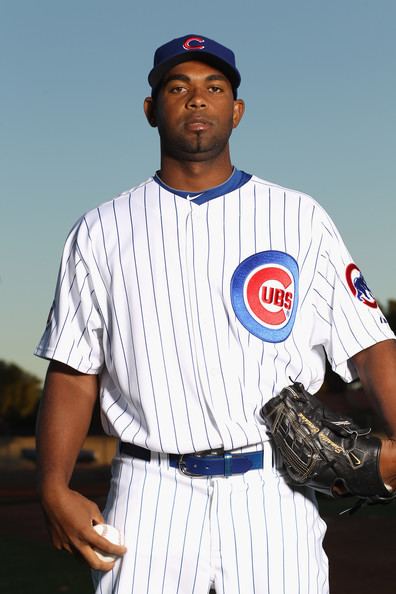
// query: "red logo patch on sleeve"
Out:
[358,286]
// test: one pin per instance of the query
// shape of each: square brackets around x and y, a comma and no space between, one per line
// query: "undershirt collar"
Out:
[237,179]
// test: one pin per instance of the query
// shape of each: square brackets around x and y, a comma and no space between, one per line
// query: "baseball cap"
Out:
[194,47]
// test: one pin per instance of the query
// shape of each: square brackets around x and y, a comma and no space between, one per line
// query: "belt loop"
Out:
[227,464]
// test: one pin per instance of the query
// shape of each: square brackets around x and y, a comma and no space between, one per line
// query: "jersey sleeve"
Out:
[74,330]
[348,318]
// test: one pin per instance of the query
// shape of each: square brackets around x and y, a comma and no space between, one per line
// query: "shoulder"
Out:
[120,201]
[96,218]
[289,195]
[311,215]
[277,189]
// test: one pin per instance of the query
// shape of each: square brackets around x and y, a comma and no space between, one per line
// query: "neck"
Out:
[195,176]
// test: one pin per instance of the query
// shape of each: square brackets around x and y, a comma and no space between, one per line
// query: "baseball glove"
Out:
[323,451]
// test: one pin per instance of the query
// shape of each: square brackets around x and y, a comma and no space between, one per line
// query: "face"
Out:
[195,112]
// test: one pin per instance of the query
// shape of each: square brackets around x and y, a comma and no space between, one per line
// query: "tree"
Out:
[20,392]
[391,314]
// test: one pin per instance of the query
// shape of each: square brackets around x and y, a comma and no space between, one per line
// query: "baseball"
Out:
[113,535]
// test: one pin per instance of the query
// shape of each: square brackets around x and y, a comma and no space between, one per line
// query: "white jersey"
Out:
[196,312]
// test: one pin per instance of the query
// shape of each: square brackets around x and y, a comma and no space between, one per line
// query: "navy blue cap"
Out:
[194,47]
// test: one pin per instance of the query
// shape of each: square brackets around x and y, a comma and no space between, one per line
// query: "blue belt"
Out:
[205,463]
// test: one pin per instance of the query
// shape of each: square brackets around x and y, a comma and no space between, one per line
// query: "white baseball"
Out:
[112,534]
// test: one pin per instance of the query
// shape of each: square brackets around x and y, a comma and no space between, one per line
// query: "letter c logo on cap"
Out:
[194,43]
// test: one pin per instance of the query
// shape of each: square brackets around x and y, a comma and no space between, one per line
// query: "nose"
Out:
[196,99]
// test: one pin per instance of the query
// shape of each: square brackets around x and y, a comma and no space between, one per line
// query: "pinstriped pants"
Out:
[245,534]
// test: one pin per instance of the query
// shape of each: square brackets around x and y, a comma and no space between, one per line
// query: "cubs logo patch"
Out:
[264,294]
[358,287]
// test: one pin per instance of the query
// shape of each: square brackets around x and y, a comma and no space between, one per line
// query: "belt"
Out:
[216,463]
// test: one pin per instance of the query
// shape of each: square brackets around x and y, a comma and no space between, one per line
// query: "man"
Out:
[186,304]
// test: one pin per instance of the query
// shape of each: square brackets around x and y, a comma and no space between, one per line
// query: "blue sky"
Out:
[319,80]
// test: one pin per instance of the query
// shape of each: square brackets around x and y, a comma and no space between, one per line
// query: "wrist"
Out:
[51,487]
[387,464]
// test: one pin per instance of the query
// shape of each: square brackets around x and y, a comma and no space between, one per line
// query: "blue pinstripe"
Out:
[283,537]
[138,529]
[204,520]
[197,308]
[266,542]
[299,227]
[184,540]
[193,447]
[159,331]
[220,547]
[104,241]
[109,353]
[169,535]
[307,545]
[85,328]
[235,544]
[127,300]
[154,532]
[269,218]
[312,279]
[308,250]
[251,538]
[144,332]
[212,308]
[297,545]
[187,324]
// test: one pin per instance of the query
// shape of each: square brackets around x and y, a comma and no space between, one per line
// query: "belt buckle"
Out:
[204,454]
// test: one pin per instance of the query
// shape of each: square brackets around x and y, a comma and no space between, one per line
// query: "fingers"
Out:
[89,542]
[70,519]
[106,545]
[84,543]
[94,562]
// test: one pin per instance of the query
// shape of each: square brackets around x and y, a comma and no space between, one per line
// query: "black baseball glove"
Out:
[323,451]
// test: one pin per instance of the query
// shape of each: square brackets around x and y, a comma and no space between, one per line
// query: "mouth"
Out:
[197,124]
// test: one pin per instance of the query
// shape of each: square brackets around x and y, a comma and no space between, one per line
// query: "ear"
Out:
[239,110]
[149,110]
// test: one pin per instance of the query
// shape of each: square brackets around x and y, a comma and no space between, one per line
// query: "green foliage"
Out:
[391,314]
[20,392]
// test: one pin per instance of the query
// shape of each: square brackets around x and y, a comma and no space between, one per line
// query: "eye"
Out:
[215,89]
[176,90]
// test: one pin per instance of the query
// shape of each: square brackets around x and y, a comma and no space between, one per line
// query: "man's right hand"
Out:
[70,518]
[63,422]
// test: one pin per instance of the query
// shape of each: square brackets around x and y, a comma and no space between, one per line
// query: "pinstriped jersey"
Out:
[196,312]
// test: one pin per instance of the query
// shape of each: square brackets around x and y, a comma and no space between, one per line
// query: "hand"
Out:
[387,463]
[70,517]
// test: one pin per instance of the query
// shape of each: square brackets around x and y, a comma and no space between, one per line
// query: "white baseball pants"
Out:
[245,534]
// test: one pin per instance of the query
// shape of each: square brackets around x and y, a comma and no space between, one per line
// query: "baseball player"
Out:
[185,304]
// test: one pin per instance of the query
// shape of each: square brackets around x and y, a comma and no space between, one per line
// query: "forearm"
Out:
[63,422]
[377,371]
[64,418]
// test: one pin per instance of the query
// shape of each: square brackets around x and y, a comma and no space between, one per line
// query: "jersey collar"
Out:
[237,179]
